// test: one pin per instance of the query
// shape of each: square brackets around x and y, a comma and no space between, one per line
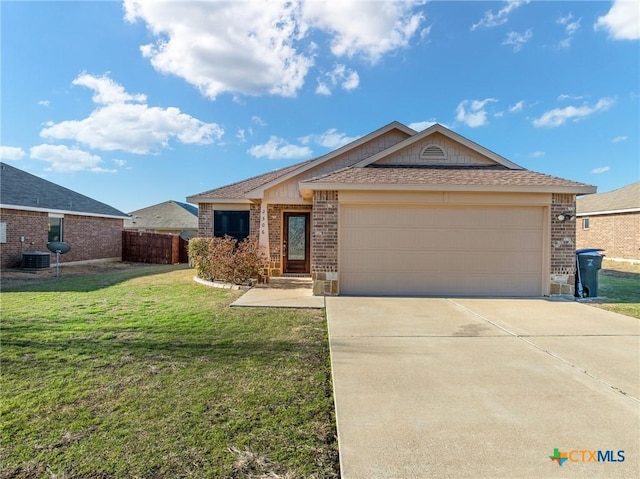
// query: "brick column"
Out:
[254,221]
[205,220]
[324,245]
[563,246]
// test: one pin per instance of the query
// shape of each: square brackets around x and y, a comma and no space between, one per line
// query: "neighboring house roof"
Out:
[377,171]
[441,178]
[625,199]
[20,190]
[169,215]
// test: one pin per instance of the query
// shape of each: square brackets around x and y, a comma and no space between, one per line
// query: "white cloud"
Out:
[278,149]
[120,162]
[570,97]
[258,121]
[44,103]
[367,29]
[331,138]
[537,154]
[472,112]
[256,47]
[63,159]
[518,107]
[341,75]
[323,89]
[106,91]
[559,116]
[620,138]
[249,47]
[11,153]
[622,21]
[136,128]
[602,169]
[517,40]
[571,27]
[491,19]
[422,125]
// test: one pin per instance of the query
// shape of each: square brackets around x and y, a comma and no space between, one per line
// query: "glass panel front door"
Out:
[295,243]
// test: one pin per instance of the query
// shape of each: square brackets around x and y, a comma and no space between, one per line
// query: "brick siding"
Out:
[618,234]
[205,219]
[563,246]
[254,221]
[324,244]
[89,237]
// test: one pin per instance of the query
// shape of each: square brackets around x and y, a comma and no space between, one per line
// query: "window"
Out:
[3,232]
[585,223]
[232,223]
[55,229]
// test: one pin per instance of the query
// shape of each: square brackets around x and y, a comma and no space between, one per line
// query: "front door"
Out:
[295,243]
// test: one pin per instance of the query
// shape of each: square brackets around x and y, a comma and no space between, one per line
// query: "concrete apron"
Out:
[483,388]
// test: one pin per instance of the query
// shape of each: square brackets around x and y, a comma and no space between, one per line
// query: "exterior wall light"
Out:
[566,216]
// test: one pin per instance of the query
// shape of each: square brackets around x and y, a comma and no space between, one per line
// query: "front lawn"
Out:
[147,374]
[619,285]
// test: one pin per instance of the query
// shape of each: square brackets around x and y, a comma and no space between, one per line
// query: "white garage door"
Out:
[441,250]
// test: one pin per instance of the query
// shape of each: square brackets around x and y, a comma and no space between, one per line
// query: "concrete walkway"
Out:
[281,293]
[483,388]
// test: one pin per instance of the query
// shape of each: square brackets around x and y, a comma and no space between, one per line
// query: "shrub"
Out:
[226,260]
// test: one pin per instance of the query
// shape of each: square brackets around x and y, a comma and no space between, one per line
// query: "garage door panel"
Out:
[407,216]
[443,284]
[397,262]
[396,249]
[434,239]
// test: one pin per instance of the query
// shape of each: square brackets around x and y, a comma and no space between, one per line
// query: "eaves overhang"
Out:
[609,212]
[307,189]
[62,212]
[201,199]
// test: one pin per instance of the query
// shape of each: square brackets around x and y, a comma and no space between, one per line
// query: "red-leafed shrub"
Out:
[226,260]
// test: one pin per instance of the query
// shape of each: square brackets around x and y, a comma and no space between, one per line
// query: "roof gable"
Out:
[438,145]
[254,188]
[22,190]
[340,152]
[626,198]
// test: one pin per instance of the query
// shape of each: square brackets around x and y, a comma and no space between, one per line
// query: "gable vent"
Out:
[433,152]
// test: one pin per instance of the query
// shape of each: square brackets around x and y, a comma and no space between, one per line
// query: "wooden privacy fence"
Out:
[153,248]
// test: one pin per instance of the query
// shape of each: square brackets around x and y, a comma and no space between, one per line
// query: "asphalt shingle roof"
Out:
[443,175]
[237,190]
[169,215]
[19,188]
[625,198]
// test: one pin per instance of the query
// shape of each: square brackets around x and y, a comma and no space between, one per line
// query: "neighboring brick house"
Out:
[168,217]
[34,211]
[611,221]
[398,212]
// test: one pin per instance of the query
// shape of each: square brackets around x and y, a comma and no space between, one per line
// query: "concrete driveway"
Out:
[484,388]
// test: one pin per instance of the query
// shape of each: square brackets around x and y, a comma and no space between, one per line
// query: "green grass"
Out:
[134,374]
[622,293]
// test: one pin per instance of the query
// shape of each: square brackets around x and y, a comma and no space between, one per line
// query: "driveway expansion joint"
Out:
[523,338]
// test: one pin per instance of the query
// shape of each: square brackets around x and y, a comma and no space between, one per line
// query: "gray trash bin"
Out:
[589,262]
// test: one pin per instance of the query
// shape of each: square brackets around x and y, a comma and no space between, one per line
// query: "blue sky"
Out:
[134,103]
